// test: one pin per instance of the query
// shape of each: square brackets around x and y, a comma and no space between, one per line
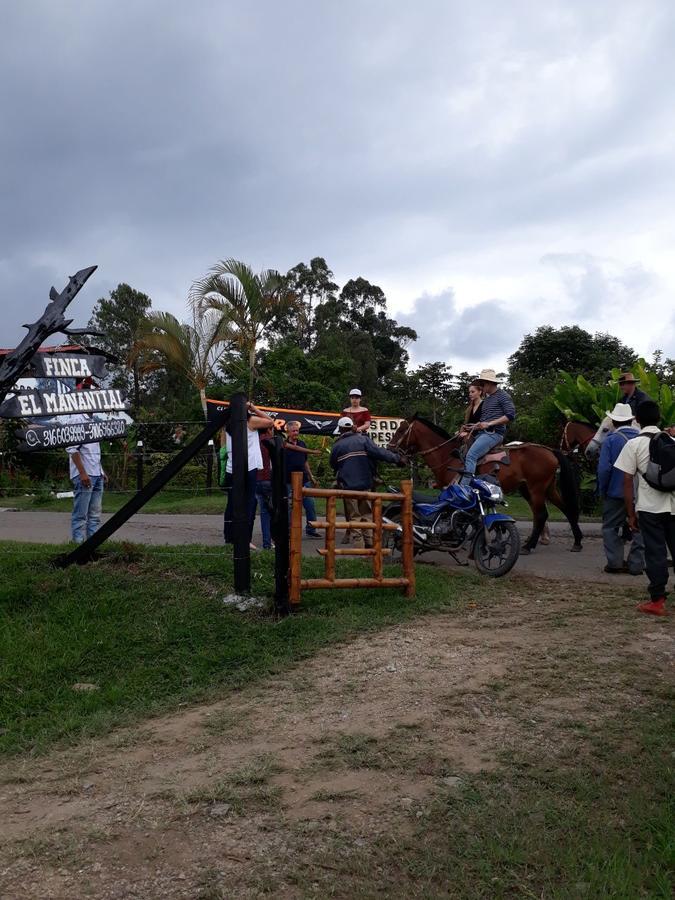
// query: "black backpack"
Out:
[660,473]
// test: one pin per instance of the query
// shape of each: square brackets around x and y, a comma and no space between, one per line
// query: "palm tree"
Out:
[166,343]
[246,303]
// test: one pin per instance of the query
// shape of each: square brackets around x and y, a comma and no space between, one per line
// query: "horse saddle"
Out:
[499,457]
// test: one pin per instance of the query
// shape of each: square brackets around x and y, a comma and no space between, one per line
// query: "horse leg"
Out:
[554,496]
[537,504]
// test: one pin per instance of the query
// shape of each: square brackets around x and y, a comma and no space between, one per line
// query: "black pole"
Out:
[240,527]
[139,465]
[280,531]
[209,467]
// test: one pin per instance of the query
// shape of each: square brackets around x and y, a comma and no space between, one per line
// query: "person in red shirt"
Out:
[360,415]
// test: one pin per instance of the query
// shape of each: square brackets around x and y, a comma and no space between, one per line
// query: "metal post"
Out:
[240,524]
[139,465]
[209,467]
[280,532]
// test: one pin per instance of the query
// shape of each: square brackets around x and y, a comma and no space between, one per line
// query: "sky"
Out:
[492,166]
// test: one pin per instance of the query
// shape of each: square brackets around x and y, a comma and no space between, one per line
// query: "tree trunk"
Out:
[251,370]
[202,397]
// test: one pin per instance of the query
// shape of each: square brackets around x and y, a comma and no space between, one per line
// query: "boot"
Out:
[655,607]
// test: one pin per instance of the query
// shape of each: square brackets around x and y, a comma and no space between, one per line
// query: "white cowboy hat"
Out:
[488,375]
[345,422]
[355,392]
[621,413]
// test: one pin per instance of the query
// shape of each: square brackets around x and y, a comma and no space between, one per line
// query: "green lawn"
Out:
[187,502]
[149,629]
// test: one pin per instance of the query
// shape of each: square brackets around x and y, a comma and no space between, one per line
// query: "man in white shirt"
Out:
[88,479]
[655,510]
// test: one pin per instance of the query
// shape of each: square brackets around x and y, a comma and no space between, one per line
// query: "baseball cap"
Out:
[355,392]
[345,422]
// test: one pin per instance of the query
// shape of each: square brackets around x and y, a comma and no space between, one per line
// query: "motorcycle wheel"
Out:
[499,556]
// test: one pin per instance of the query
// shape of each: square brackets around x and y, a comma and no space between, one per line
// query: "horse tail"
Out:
[568,487]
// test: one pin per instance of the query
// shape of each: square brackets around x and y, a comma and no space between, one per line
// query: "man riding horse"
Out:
[496,413]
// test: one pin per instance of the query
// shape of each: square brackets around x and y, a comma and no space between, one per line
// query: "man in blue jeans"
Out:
[88,479]
[496,413]
[296,461]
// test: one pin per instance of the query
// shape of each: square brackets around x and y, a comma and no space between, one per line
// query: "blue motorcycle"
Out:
[463,519]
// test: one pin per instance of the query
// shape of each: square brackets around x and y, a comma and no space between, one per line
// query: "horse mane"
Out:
[441,432]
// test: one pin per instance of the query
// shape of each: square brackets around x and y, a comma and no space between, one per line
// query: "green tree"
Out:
[433,388]
[247,304]
[549,349]
[189,350]
[120,317]
[312,285]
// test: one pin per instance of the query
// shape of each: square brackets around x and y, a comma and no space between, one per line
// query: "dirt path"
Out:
[275,788]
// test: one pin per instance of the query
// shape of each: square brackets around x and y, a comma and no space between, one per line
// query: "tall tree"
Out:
[434,387]
[120,317]
[190,350]
[312,285]
[549,349]
[247,305]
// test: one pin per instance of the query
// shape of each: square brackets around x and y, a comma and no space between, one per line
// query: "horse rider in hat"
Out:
[611,488]
[496,413]
[632,395]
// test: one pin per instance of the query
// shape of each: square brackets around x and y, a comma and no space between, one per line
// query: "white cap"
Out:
[345,422]
[355,392]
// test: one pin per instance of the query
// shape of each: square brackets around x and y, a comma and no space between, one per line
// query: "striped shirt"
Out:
[497,405]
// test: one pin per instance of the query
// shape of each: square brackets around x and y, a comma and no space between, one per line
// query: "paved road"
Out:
[554,561]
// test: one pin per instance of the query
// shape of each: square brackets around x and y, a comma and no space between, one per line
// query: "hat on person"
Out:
[488,375]
[621,413]
[355,392]
[628,378]
[345,422]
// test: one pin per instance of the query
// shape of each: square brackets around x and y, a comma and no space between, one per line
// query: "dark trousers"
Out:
[658,533]
[263,495]
[613,520]
[251,481]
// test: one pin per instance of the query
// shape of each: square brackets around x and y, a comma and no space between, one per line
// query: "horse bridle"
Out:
[426,452]
[566,447]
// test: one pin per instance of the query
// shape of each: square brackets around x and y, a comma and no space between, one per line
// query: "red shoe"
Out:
[655,607]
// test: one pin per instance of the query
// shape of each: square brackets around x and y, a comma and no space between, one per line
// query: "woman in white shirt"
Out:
[257,421]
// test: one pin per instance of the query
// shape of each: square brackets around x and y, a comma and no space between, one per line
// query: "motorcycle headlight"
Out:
[496,493]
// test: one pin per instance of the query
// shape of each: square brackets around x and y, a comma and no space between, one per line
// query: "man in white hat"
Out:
[496,413]
[610,486]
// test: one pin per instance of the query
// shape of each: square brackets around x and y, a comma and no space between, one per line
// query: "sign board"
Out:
[67,434]
[50,403]
[382,428]
[67,365]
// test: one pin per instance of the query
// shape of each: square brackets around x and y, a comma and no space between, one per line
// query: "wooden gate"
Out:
[377,552]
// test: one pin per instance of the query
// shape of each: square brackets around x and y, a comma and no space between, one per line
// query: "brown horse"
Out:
[576,435]
[532,471]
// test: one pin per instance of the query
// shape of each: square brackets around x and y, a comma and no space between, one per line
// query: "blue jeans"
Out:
[308,506]
[263,495]
[485,441]
[86,518]
[251,481]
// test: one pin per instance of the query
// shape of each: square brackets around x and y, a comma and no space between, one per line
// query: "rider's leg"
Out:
[482,445]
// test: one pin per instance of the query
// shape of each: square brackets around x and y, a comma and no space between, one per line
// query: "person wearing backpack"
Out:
[651,457]
[610,486]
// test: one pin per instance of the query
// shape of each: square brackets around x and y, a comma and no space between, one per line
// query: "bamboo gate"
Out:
[330,552]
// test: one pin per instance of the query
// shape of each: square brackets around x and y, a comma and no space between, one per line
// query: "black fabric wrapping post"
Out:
[280,525]
[240,527]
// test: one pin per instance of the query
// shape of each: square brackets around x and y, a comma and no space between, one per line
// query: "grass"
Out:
[147,627]
[188,502]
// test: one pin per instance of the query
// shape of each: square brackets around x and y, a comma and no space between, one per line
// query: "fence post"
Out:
[240,526]
[377,539]
[296,538]
[209,467]
[139,465]
[407,554]
[329,568]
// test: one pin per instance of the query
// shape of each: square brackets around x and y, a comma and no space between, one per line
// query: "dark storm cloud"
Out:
[154,137]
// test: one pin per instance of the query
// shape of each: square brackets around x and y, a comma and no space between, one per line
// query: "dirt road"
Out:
[307,786]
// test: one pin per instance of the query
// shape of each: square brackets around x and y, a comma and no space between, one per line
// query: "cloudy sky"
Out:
[492,166]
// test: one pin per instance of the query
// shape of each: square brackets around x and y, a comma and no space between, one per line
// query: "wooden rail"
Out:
[377,552]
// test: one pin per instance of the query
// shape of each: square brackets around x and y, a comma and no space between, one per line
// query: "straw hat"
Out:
[628,378]
[488,375]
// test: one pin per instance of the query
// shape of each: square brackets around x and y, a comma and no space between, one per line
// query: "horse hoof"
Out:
[525,551]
